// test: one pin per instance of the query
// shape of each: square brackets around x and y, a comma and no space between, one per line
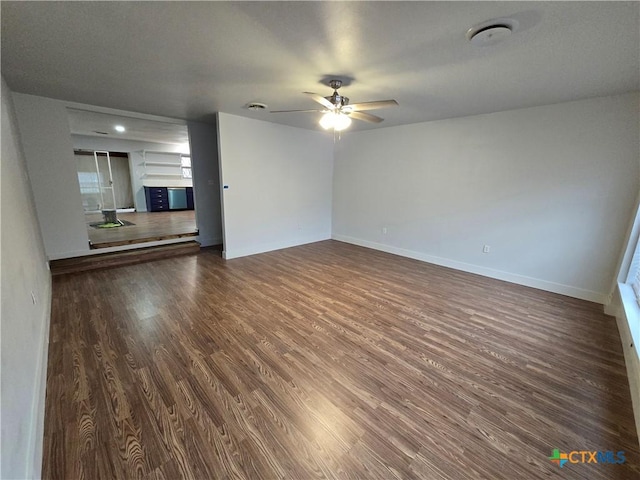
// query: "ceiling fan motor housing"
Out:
[338,100]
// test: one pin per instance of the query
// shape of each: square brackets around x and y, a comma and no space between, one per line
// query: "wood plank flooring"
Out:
[327,361]
[148,227]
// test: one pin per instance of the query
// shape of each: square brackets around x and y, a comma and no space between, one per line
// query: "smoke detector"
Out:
[491,32]
[255,106]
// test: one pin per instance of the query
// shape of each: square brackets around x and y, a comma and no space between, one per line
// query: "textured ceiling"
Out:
[188,60]
[88,123]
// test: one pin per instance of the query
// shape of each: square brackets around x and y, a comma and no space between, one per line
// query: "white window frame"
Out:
[185,166]
[629,280]
[633,277]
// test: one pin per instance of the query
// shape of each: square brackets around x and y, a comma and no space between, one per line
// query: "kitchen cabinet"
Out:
[158,199]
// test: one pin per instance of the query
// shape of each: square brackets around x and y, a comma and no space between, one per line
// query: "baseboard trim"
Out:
[36,443]
[597,297]
[270,247]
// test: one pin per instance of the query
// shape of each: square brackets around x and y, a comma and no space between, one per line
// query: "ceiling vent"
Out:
[491,32]
[256,107]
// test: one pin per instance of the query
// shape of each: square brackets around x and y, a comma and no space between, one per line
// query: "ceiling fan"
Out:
[338,112]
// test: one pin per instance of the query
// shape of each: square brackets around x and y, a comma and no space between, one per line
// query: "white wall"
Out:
[24,325]
[203,139]
[48,150]
[279,182]
[550,189]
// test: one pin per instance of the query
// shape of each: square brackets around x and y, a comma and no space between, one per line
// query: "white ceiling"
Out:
[189,60]
[89,123]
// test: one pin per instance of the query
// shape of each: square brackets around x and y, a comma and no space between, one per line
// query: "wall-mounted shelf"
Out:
[164,175]
[162,164]
[160,152]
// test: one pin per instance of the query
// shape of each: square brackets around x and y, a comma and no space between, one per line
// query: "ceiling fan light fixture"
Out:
[338,112]
[335,120]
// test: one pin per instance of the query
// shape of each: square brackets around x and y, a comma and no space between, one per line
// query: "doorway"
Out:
[105,180]
[135,178]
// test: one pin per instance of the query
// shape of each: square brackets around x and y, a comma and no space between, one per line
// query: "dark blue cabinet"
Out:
[189,198]
[158,198]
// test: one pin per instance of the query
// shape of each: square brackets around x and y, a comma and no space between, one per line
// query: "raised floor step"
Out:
[126,257]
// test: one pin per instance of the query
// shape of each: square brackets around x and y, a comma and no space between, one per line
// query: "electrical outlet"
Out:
[486,249]
[384,230]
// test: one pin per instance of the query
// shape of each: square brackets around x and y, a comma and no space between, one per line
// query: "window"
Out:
[629,285]
[185,164]
[633,278]
[89,183]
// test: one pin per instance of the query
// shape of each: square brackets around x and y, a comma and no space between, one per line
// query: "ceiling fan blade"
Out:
[289,111]
[367,117]
[321,100]
[373,105]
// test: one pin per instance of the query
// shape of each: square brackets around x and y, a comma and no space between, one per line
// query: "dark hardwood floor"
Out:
[147,227]
[327,360]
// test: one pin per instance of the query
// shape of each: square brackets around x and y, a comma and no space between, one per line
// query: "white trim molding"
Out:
[270,247]
[597,297]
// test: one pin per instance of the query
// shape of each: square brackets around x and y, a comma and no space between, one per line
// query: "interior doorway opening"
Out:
[136,183]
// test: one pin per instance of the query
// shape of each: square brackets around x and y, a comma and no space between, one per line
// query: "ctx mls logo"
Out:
[586,456]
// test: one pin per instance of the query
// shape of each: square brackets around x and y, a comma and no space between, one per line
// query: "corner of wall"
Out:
[26,309]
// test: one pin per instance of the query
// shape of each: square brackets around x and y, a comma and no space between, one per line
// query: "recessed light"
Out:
[119,128]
